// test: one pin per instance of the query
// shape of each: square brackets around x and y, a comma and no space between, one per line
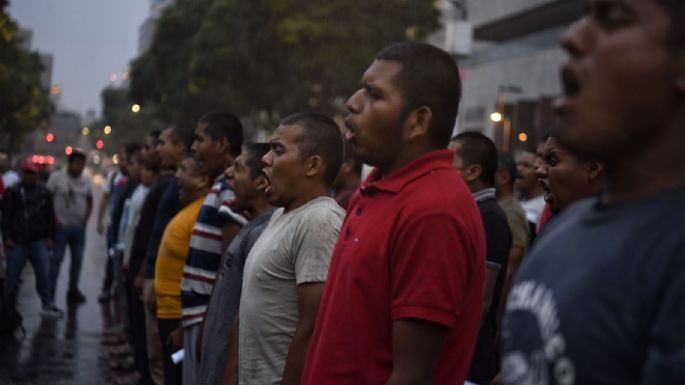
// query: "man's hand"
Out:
[138,284]
[175,340]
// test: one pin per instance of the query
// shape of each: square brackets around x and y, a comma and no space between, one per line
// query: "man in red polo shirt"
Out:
[402,304]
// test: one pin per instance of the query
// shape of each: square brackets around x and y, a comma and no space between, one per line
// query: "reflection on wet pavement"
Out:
[66,350]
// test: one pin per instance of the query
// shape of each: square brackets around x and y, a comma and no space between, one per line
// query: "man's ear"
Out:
[418,122]
[314,165]
[594,169]
[225,145]
[472,172]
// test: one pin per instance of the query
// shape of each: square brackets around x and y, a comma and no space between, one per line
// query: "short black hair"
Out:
[428,77]
[76,154]
[506,162]
[254,152]
[320,136]
[155,134]
[477,148]
[220,125]
[132,150]
[182,133]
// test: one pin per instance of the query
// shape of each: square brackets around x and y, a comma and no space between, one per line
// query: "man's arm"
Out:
[515,258]
[416,347]
[228,232]
[102,206]
[231,371]
[89,208]
[309,298]
[491,274]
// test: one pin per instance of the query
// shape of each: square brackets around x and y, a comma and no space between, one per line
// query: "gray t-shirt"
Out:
[70,196]
[223,305]
[295,248]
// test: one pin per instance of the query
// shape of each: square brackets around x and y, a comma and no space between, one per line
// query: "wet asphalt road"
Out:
[64,350]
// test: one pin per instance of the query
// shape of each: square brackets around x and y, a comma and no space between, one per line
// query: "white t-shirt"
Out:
[70,197]
[10,178]
[295,248]
[132,208]
[533,208]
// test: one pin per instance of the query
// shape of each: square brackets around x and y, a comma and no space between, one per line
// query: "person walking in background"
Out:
[28,231]
[72,195]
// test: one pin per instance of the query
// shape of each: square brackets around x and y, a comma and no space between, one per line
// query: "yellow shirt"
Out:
[171,259]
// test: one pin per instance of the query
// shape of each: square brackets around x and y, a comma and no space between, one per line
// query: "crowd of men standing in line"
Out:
[238,254]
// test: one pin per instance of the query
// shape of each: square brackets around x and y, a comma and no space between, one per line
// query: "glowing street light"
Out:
[85,131]
[496,117]
[113,77]
[50,137]
[107,130]
[99,144]
[68,150]
[135,108]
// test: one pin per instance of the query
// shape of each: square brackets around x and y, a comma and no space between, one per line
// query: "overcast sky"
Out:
[89,40]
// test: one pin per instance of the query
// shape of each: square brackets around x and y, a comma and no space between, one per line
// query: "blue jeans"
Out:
[37,253]
[73,236]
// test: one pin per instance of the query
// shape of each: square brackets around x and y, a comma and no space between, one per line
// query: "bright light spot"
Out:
[96,159]
[50,137]
[41,159]
[523,137]
[124,76]
[68,150]
[496,117]
[34,159]
[135,108]
[113,78]
[99,144]
[55,90]
[107,130]
[51,160]
[115,159]
[85,131]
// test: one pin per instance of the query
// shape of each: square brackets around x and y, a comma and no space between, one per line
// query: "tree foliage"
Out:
[267,58]
[24,104]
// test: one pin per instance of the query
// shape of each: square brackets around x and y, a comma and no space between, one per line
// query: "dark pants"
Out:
[136,319]
[173,373]
[37,253]
[73,236]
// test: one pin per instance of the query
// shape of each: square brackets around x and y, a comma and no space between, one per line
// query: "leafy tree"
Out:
[265,59]
[24,104]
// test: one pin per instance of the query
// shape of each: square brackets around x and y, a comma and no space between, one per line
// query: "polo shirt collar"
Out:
[485,194]
[393,183]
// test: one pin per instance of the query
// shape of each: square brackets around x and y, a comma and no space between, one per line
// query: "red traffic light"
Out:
[99,144]
[68,150]
[50,137]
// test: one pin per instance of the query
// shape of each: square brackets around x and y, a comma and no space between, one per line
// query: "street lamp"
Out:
[135,108]
[107,130]
[498,116]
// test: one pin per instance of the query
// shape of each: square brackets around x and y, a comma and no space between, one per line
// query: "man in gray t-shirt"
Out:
[249,184]
[288,265]
[73,201]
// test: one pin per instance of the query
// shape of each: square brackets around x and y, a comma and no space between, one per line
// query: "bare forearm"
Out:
[231,371]
[102,206]
[89,210]
[297,355]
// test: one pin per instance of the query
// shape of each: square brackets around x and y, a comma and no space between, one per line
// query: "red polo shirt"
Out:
[412,246]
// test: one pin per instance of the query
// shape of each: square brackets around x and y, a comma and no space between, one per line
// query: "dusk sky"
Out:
[89,40]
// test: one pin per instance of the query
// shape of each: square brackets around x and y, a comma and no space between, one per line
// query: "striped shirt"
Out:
[204,254]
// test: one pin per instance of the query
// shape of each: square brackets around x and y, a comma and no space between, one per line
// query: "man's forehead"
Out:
[381,69]
[285,133]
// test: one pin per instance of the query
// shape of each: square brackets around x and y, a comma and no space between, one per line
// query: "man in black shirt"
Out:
[476,158]
[599,300]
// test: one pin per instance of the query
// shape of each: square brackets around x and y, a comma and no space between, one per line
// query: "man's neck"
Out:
[259,208]
[505,193]
[405,156]
[532,194]
[309,195]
